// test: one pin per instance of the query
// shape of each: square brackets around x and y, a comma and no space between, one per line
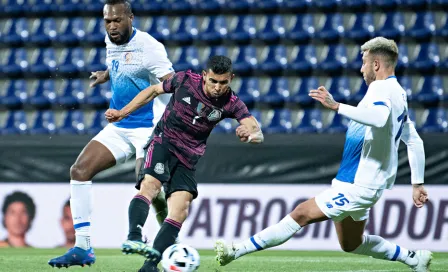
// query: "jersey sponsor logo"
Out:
[128,57]
[215,115]
[159,168]
[187,100]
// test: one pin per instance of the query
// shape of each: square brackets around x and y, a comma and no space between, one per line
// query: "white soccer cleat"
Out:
[424,261]
[224,253]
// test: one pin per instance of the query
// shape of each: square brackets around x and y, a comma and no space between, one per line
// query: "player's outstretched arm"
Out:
[249,131]
[100,77]
[374,116]
[143,98]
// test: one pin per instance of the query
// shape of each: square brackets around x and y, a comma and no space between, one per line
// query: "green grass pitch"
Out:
[270,261]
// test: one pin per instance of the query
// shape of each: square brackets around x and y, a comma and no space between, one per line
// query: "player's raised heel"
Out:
[424,261]
[74,256]
[138,247]
[224,253]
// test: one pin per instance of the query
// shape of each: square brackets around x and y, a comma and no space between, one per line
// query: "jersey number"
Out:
[340,200]
[115,65]
[401,119]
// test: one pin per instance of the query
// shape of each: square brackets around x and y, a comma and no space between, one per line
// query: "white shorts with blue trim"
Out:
[345,199]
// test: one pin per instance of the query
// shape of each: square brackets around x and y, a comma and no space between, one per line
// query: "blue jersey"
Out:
[133,67]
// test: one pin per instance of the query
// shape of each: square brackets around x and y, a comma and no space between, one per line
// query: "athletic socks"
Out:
[167,235]
[138,213]
[81,207]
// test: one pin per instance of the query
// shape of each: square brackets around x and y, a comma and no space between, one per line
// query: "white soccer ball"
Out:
[180,258]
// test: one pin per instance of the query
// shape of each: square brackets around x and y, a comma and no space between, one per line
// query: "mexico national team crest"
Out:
[159,168]
[215,115]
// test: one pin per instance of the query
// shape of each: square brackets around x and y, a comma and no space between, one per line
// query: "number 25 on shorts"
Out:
[340,200]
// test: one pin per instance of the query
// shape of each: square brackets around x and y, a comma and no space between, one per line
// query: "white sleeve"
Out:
[156,59]
[374,116]
[416,152]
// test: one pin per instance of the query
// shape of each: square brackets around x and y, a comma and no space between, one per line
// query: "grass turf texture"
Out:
[272,260]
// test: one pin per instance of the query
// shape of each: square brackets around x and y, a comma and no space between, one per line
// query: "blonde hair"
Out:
[384,47]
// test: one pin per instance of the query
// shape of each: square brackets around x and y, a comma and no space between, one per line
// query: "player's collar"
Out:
[391,77]
[134,31]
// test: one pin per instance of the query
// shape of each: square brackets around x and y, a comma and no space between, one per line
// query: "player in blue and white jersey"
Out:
[135,60]
[369,165]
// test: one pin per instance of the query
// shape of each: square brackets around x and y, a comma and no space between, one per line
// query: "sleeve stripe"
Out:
[380,103]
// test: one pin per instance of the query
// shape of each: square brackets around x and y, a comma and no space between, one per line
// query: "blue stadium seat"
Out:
[73,94]
[276,60]
[249,91]
[444,65]
[209,6]
[326,5]
[436,121]
[336,60]
[386,5]
[359,94]
[96,33]
[44,95]
[92,7]
[189,59]
[340,89]
[281,122]
[237,6]
[424,27]
[17,34]
[311,122]
[305,61]
[179,7]
[428,58]
[45,33]
[73,63]
[160,28]
[278,92]
[273,30]
[16,94]
[73,123]
[100,96]
[338,124]
[96,60]
[44,123]
[149,7]
[332,29]
[354,5]
[265,6]
[246,61]
[215,51]
[41,8]
[431,91]
[363,29]
[245,30]
[356,64]
[443,30]
[16,123]
[416,5]
[17,63]
[403,58]
[393,27]
[73,33]
[216,30]
[98,123]
[12,8]
[301,97]
[303,30]
[443,4]
[225,126]
[45,63]
[295,6]
[187,31]
[406,84]
[69,7]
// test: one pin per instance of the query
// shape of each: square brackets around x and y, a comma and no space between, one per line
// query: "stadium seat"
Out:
[16,123]
[278,91]
[187,31]
[338,124]
[216,30]
[15,95]
[96,32]
[12,8]
[209,6]
[100,96]
[17,34]
[246,61]
[273,30]
[359,94]
[160,28]
[17,63]
[244,31]
[303,30]
[340,89]
[44,123]
[427,59]
[336,60]
[73,123]
[386,5]
[356,63]
[354,5]
[249,91]
[44,95]
[45,33]
[417,5]
[443,30]
[45,63]
[265,6]
[215,51]
[326,5]
[332,29]
[393,27]
[301,97]
[305,61]
[189,59]
[406,84]
[41,8]
[149,7]
[179,7]
[73,94]
[69,8]
[93,8]
[225,126]
[237,6]
[363,29]
[436,121]
[311,121]
[424,27]
[96,60]
[98,123]
[73,63]
[403,58]
[281,122]
[73,33]
[295,6]
[443,4]
[431,92]
[276,60]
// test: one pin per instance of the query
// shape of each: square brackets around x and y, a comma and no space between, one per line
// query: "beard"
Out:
[122,37]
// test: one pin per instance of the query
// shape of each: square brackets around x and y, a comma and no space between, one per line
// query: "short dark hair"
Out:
[19,197]
[219,65]
[126,3]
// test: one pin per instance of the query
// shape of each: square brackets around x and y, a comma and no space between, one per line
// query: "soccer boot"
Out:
[224,253]
[424,261]
[74,256]
[138,247]
[150,265]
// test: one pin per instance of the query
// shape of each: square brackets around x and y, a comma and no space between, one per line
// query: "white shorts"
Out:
[124,142]
[346,199]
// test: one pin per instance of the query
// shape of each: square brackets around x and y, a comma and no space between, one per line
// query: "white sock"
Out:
[81,206]
[272,236]
[380,248]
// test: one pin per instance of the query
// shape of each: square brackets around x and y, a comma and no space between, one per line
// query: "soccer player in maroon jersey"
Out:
[198,103]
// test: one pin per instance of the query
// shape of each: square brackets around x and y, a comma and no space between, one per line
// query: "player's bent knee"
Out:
[299,214]
[80,173]
[349,246]
[150,187]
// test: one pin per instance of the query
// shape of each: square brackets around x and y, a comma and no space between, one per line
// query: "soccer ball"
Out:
[180,258]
